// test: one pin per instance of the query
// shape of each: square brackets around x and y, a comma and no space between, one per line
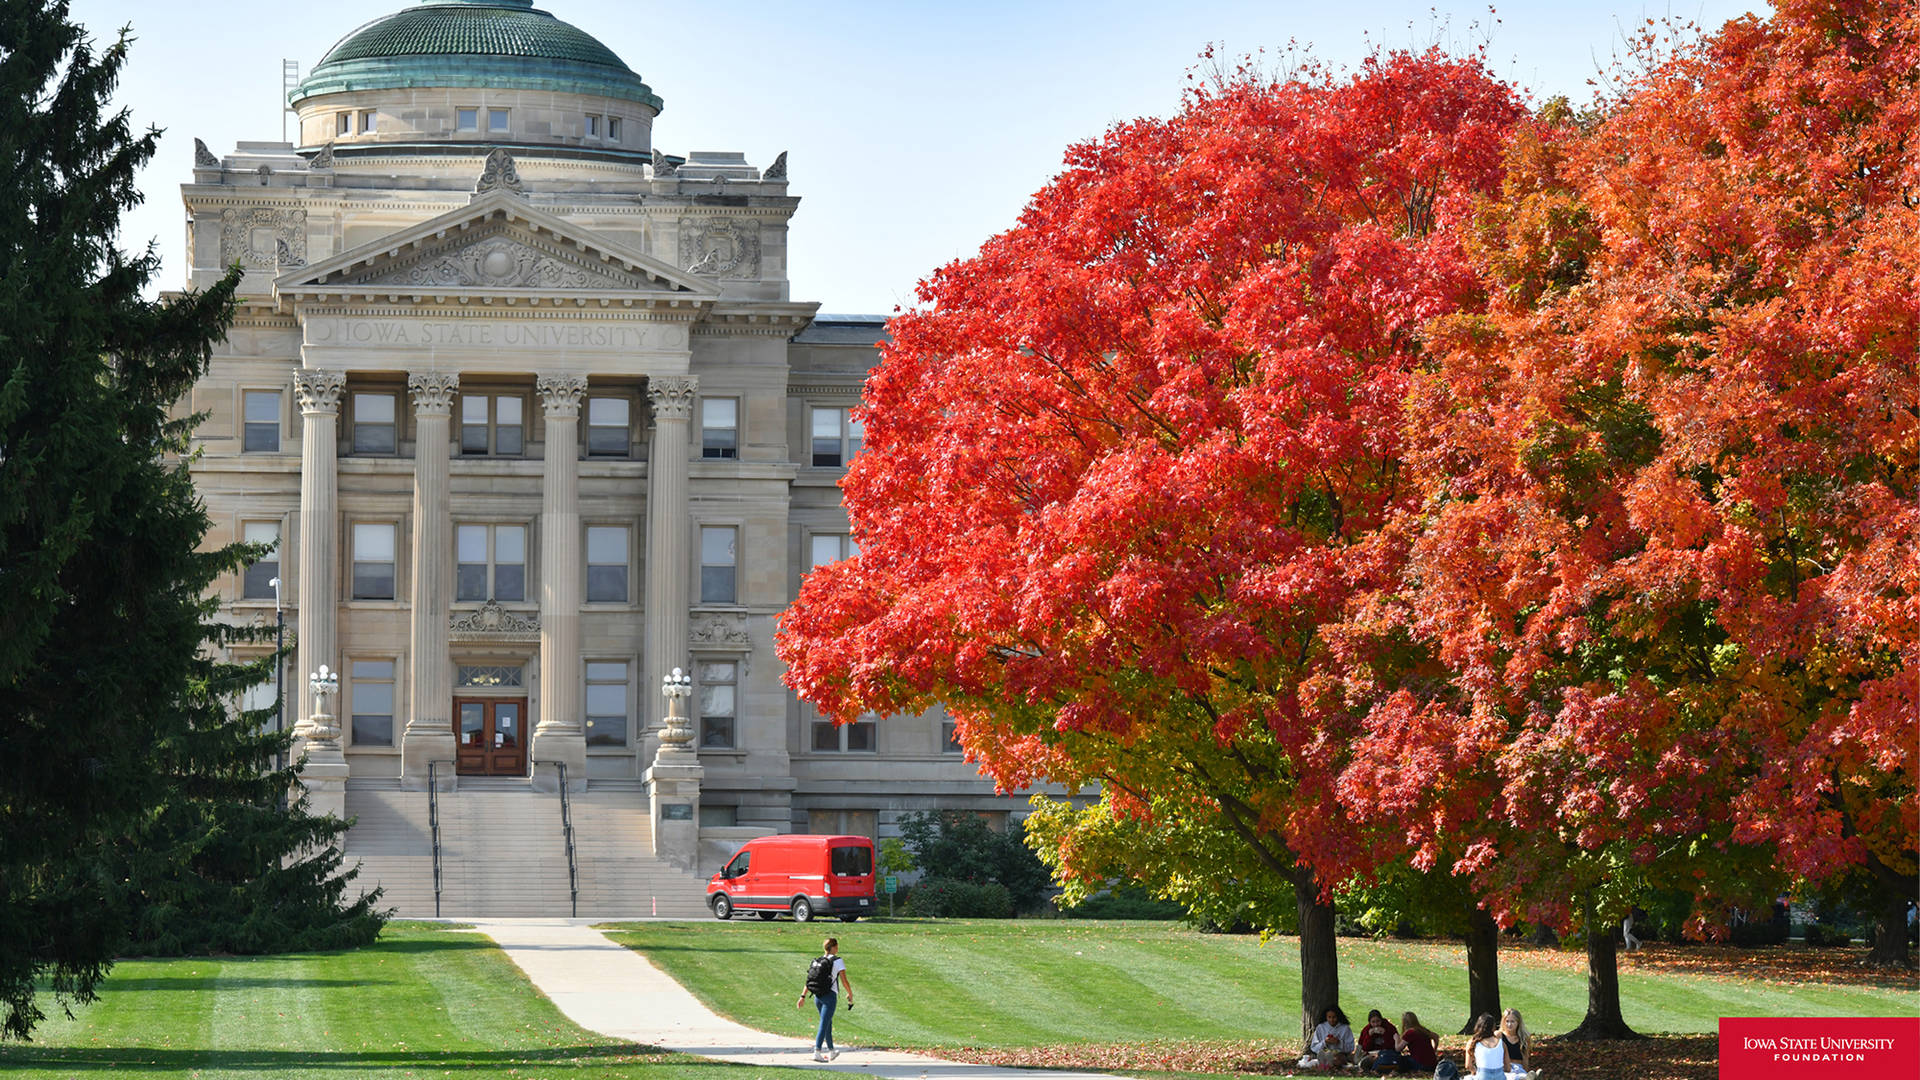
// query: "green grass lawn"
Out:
[1023,983]
[423,1001]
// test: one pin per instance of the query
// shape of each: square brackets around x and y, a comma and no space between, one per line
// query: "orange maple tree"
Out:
[1668,548]
[1123,466]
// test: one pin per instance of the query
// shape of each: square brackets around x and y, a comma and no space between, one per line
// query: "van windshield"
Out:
[852,861]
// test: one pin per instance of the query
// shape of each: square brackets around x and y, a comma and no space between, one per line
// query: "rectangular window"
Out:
[825,548]
[836,436]
[491,562]
[719,427]
[372,702]
[593,127]
[717,564]
[497,121]
[613,129]
[368,121]
[860,737]
[254,584]
[343,123]
[492,424]
[607,564]
[466,119]
[718,681]
[842,823]
[261,430]
[373,547]
[374,429]
[950,738]
[607,421]
[606,703]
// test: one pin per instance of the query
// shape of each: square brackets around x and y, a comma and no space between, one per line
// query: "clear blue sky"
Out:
[915,131]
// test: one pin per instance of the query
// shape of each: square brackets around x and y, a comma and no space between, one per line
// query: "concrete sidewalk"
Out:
[617,992]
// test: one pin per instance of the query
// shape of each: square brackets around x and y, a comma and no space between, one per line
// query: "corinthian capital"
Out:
[560,394]
[432,391]
[319,390]
[672,396]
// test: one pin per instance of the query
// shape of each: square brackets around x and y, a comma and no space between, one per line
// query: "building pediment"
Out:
[496,246]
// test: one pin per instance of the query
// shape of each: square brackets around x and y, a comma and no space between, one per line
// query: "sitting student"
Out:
[1332,1044]
[1486,1056]
[1376,1043]
[1417,1046]
[1513,1035]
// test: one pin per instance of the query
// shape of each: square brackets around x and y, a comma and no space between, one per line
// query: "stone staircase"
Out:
[502,853]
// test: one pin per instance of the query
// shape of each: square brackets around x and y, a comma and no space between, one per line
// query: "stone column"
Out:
[429,731]
[561,732]
[319,596]
[669,535]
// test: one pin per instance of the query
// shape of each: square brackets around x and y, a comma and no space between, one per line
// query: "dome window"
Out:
[497,121]
[343,123]
[466,119]
[368,121]
[593,126]
[613,129]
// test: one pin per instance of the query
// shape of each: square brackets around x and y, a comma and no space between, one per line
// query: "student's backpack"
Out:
[820,975]
[1446,1070]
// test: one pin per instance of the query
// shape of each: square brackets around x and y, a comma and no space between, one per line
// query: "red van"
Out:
[803,876]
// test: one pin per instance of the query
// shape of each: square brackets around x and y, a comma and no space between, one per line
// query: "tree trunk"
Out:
[1483,966]
[1319,967]
[1890,928]
[1603,1020]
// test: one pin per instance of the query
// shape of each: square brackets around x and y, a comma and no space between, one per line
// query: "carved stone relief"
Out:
[319,389]
[560,394]
[672,396]
[720,246]
[433,391]
[499,262]
[491,622]
[499,172]
[263,238]
[720,630]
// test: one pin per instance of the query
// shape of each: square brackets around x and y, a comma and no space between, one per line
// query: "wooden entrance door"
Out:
[490,736]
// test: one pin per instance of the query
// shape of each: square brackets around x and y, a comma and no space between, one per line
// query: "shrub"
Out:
[1128,902]
[1822,936]
[959,845]
[947,898]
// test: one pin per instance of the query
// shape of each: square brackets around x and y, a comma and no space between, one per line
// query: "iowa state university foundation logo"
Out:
[1815,1048]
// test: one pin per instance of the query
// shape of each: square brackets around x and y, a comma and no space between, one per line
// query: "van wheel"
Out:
[722,908]
[767,916]
[802,909]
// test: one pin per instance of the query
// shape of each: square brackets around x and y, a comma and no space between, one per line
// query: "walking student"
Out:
[826,970]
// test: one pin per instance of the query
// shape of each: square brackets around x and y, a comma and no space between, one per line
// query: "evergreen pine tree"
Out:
[117,750]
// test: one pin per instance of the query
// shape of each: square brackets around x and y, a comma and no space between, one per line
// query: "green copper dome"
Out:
[478,43]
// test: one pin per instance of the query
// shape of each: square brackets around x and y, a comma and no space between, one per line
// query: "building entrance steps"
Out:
[502,853]
[617,992]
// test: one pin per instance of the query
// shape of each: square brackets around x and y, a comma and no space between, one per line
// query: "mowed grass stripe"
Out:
[1038,982]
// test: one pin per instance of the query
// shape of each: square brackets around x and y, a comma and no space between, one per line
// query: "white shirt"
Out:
[1331,1037]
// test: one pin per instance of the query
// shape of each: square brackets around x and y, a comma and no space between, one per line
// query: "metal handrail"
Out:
[566,830]
[433,825]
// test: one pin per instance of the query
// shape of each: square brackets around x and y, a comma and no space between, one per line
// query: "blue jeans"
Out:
[826,1003]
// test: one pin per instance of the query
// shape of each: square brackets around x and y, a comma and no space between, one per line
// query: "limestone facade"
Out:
[535,424]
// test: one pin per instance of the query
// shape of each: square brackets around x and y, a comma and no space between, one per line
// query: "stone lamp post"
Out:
[318,739]
[673,781]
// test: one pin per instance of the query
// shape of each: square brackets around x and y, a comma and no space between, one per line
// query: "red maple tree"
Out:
[1124,465]
[1668,553]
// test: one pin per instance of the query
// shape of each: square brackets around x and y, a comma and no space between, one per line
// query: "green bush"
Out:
[1822,936]
[1129,902]
[947,898]
[957,845]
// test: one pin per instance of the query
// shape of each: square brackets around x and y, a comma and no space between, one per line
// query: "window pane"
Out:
[506,411]
[260,438]
[613,128]
[374,439]
[607,699]
[718,412]
[712,672]
[373,408]
[826,549]
[716,585]
[473,722]
[716,733]
[473,438]
[593,125]
[473,409]
[506,440]
[368,120]
[607,411]
[263,407]
[606,545]
[496,119]
[373,669]
[716,545]
[256,580]
[373,581]
[826,737]
[826,424]
[510,544]
[375,698]
[600,670]
[472,543]
[860,736]
[371,729]
[606,731]
[607,584]
[509,582]
[262,532]
[469,119]
[373,543]
[716,700]
[856,436]
[470,581]
[343,124]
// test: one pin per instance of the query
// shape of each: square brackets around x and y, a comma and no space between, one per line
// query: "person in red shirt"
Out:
[1416,1044]
[1376,1041]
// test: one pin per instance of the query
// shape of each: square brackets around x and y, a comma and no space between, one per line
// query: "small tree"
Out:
[960,846]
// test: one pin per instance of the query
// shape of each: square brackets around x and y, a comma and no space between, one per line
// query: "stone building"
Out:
[529,412]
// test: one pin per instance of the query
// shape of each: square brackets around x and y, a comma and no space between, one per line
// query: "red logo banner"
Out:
[1815,1048]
